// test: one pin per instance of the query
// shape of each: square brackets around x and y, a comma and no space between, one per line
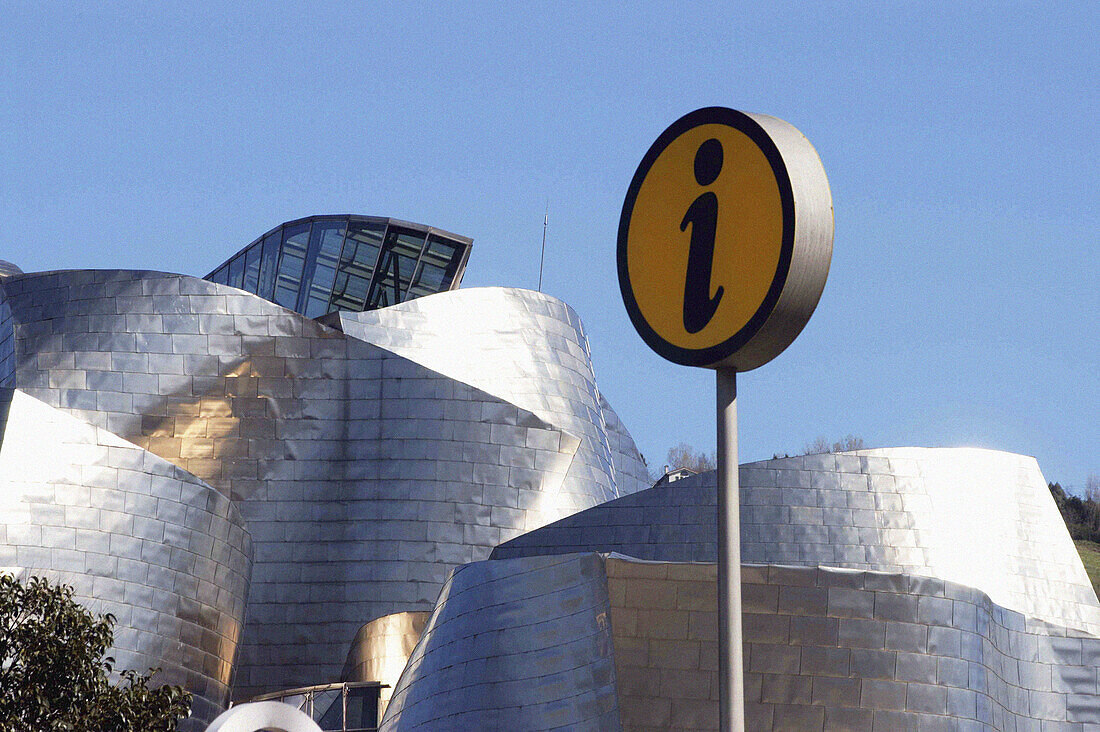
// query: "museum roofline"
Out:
[388,220]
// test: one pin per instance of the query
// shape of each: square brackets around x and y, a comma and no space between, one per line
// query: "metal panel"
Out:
[825,648]
[382,648]
[364,475]
[978,517]
[507,652]
[522,346]
[135,536]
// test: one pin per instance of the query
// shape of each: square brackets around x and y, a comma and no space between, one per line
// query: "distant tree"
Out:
[1092,488]
[1092,503]
[849,443]
[684,455]
[1082,516]
[54,676]
[1058,493]
[821,445]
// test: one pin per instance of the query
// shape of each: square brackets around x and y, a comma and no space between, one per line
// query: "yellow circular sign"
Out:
[707,240]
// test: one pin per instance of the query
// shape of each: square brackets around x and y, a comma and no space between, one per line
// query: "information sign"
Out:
[725,239]
[724,246]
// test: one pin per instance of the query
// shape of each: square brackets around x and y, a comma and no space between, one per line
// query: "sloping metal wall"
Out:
[977,517]
[135,536]
[362,475]
[825,649]
[522,346]
[519,645]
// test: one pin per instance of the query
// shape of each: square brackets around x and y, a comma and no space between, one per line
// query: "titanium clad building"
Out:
[357,474]
[891,589]
[324,463]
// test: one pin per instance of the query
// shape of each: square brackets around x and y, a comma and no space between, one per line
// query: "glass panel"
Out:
[269,260]
[328,709]
[437,267]
[221,276]
[252,267]
[236,271]
[362,707]
[395,268]
[353,275]
[291,263]
[324,255]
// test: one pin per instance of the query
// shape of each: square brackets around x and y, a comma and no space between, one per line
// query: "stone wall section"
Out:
[840,649]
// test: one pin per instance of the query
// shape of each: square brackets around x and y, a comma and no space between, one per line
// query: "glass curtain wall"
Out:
[325,244]
[269,261]
[356,268]
[292,263]
[400,254]
[436,269]
[323,264]
[251,268]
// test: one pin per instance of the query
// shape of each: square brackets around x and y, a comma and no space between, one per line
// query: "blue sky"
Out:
[962,307]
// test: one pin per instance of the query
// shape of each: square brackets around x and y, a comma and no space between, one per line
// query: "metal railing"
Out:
[347,706]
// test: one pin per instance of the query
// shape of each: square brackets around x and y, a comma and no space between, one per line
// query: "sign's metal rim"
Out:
[752,129]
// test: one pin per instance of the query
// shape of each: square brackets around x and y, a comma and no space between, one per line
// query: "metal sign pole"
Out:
[731,676]
[750,284]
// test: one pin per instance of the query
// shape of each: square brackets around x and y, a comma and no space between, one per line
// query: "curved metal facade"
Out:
[381,649]
[135,536]
[527,348]
[825,648]
[981,518]
[9,268]
[523,644]
[363,476]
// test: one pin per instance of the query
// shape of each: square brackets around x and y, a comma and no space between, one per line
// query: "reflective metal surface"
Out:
[381,649]
[135,536]
[825,649]
[363,476]
[527,348]
[516,645]
[977,517]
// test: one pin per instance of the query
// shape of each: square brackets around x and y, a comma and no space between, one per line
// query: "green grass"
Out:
[1090,557]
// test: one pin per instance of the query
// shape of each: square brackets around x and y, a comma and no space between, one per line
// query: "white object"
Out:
[264,715]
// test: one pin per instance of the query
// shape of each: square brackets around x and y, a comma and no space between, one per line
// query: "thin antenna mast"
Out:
[542,259]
